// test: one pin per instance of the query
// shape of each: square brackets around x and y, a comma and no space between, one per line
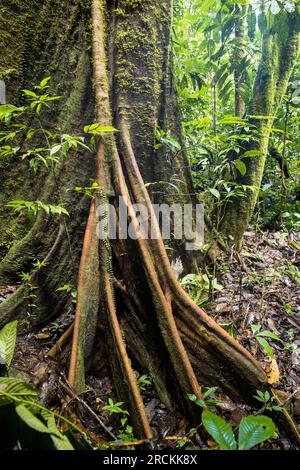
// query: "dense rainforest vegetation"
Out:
[149,340]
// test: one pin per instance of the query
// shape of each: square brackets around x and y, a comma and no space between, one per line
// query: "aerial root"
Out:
[61,342]
[178,355]
[87,304]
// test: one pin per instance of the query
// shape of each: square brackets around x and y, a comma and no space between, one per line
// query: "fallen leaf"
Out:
[273,372]
[42,335]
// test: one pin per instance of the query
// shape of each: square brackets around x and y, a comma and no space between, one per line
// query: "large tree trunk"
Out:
[280,51]
[126,287]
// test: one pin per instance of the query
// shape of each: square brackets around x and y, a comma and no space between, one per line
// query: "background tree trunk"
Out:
[239,32]
[280,50]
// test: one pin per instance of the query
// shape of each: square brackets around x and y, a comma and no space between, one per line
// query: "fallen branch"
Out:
[72,394]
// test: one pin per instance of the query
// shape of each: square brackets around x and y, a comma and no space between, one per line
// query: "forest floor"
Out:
[260,286]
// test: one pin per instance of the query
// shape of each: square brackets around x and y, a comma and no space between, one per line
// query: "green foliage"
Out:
[254,430]
[164,138]
[206,402]
[143,381]
[33,207]
[69,288]
[126,433]
[56,328]
[113,407]
[6,110]
[279,196]
[37,264]
[37,102]
[45,424]
[13,390]
[269,401]
[219,429]
[275,6]
[24,397]
[30,419]
[23,136]
[89,191]
[289,310]
[67,143]
[208,57]
[97,129]
[200,287]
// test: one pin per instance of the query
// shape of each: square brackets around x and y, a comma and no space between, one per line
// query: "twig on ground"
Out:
[71,393]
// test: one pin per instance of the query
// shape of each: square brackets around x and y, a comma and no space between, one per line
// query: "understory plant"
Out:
[252,430]
[19,399]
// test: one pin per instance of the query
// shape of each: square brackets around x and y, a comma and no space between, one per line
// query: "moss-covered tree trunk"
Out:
[279,54]
[111,62]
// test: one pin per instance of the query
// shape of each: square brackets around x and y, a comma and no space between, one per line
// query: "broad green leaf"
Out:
[60,441]
[253,430]
[30,93]
[265,345]
[219,429]
[240,165]
[230,120]
[12,388]
[8,336]
[31,420]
